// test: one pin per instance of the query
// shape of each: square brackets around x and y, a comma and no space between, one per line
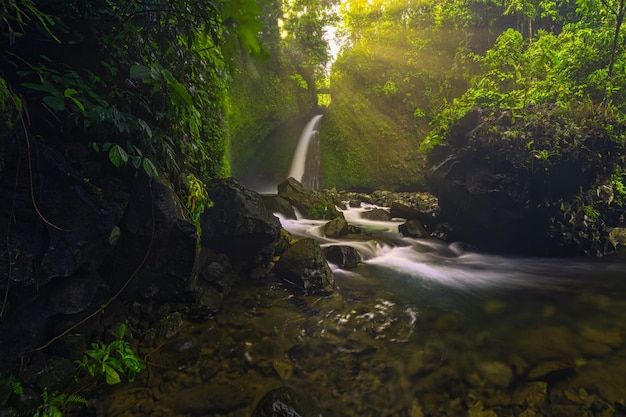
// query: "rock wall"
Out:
[529,184]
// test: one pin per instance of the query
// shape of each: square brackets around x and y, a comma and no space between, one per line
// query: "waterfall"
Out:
[305,166]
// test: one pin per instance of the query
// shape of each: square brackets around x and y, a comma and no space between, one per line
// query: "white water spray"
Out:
[301,165]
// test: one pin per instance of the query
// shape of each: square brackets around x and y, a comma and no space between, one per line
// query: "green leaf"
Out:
[41,87]
[144,126]
[111,375]
[139,71]
[117,155]
[55,102]
[180,93]
[149,168]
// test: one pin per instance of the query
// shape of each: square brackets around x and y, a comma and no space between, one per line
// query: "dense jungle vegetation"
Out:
[160,87]
[191,87]
[409,69]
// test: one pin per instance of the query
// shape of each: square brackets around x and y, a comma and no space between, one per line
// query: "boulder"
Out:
[156,228]
[310,204]
[284,402]
[617,236]
[239,225]
[336,228]
[345,257]
[304,266]
[413,228]
[502,192]
[277,204]
[377,214]
[399,210]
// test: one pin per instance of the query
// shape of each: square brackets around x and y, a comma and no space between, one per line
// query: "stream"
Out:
[420,328]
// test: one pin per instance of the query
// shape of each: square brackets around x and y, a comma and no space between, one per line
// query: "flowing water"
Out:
[305,165]
[420,328]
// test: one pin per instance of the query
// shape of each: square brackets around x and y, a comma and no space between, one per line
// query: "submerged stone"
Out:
[283,402]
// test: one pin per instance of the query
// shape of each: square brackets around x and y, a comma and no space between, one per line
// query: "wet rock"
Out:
[533,394]
[170,325]
[284,402]
[74,294]
[283,368]
[239,225]
[499,374]
[304,266]
[413,228]
[612,338]
[377,214]
[476,410]
[277,204]
[617,236]
[548,342]
[608,378]
[51,373]
[403,211]
[214,281]
[489,189]
[157,225]
[211,398]
[310,204]
[345,257]
[546,369]
[178,353]
[337,227]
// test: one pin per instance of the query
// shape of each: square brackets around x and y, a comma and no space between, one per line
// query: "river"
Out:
[419,328]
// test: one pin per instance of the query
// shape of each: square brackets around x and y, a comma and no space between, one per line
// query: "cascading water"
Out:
[305,166]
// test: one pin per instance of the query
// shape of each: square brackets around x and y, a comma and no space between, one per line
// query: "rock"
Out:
[607,377]
[73,294]
[490,189]
[533,394]
[617,236]
[399,210]
[548,343]
[284,402]
[612,338]
[178,353]
[214,281]
[239,225]
[345,257]
[499,374]
[211,398]
[413,228]
[377,214]
[337,227]
[277,204]
[545,369]
[157,226]
[304,266]
[310,204]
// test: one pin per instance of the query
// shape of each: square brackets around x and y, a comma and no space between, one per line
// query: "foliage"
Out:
[619,187]
[197,199]
[144,83]
[54,404]
[15,15]
[13,383]
[322,210]
[112,360]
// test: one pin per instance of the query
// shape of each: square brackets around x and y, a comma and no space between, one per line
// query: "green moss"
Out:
[9,110]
